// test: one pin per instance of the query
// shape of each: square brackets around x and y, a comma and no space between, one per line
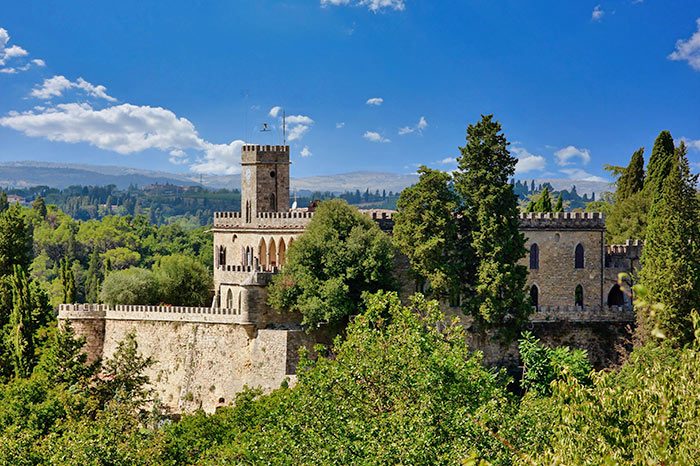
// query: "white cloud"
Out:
[376,101]
[693,143]
[13,52]
[274,111]
[299,120]
[8,70]
[305,152]
[372,5]
[688,50]
[578,174]
[127,129]
[526,161]
[39,62]
[564,156]
[598,13]
[448,160]
[340,124]
[54,87]
[375,137]
[419,127]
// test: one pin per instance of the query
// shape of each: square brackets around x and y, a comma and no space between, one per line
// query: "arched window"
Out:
[229,299]
[534,296]
[239,301]
[578,257]
[534,256]
[222,256]
[578,296]
[262,252]
[281,252]
[616,297]
[273,203]
[273,253]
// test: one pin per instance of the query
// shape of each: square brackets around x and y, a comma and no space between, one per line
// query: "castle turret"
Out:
[264,180]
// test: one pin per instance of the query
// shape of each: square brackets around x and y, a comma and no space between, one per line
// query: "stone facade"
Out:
[207,355]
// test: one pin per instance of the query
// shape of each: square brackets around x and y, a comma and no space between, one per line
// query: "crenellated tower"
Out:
[264,180]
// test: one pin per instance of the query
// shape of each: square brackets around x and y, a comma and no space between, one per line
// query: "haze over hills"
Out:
[61,175]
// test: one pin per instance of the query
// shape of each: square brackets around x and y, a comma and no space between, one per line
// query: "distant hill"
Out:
[61,175]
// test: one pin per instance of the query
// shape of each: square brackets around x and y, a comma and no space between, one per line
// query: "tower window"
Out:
[272,174]
[578,257]
[534,256]
[578,296]
[534,296]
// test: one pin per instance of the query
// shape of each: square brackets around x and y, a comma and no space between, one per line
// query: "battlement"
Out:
[583,314]
[294,219]
[75,312]
[630,248]
[563,221]
[251,154]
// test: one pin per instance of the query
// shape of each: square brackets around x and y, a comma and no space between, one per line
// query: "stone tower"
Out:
[264,180]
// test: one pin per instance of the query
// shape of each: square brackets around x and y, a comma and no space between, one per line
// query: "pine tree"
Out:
[671,256]
[496,298]
[4,204]
[660,163]
[560,204]
[631,180]
[68,283]
[544,203]
[40,206]
[15,241]
[21,335]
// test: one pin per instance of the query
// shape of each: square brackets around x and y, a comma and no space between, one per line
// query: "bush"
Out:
[130,286]
[183,281]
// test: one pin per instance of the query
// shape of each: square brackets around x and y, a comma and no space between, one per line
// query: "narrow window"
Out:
[616,297]
[222,256]
[534,256]
[229,300]
[578,257]
[578,296]
[534,296]
[273,203]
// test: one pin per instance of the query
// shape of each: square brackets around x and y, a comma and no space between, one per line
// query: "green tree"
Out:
[130,286]
[15,240]
[68,283]
[93,279]
[123,375]
[426,230]
[544,202]
[632,179]
[21,325]
[4,204]
[64,361]
[660,163]
[559,207]
[182,281]
[496,298]
[671,256]
[40,206]
[342,254]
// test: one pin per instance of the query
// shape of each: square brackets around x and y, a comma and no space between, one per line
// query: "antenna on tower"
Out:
[265,128]
[284,127]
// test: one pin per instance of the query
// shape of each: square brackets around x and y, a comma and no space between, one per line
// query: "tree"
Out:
[660,163]
[182,281]
[64,361]
[560,204]
[671,256]
[68,283]
[341,255]
[123,374]
[130,286]
[40,206]
[15,241]
[4,204]
[426,230]
[496,298]
[544,203]
[21,325]
[92,282]
[631,181]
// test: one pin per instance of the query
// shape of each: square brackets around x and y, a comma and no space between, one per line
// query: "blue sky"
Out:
[366,84]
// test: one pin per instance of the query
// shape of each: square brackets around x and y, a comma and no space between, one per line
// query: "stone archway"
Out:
[616,297]
[281,253]
[262,252]
[272,253]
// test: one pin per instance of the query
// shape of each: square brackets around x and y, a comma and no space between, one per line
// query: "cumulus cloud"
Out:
[372,5]
[127,129]
[375,101]
[274,111]
[375,137]
[693,143]
[527,162]
[598,13]
[566,155]
[688,50]
[54,87]
[12,52]
[419,127]
[340,124]
[578,174]
[305,152]
[448,160]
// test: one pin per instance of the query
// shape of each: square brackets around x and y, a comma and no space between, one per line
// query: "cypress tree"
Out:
[4,204]
[560,204]
[660,163]
[39,206]
[21,335]
[632,179]
[67,283]
[670,259]
[544,203]
[92,280]
[530,207]
[15,241]
[496,298]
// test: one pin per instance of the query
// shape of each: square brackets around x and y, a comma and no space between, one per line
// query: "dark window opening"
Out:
[578,257]
[616,297]
[578,296]
[534,296]
[534,256]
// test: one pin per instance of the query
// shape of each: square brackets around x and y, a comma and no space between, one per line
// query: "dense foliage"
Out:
[341,255]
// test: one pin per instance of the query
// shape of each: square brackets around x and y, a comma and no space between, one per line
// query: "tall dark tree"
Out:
[631,180]
[671,256]
[496,298]
[559,207]
[21,337]
[39,206]
[15,241]
[544,203]
[93,278]
[426,230]
[4,204]
[68,283]
[660,163]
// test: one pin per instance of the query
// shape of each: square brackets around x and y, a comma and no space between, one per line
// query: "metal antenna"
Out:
[284,127]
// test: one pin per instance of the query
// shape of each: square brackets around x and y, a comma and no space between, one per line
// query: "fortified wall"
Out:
[204,356]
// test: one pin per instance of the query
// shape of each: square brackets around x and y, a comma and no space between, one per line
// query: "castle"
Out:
[207,355]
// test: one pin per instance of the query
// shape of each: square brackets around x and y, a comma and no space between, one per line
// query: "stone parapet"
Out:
[246,274]
[264,154]
[583,314]
[294,219]
[75,312]
[563,221]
